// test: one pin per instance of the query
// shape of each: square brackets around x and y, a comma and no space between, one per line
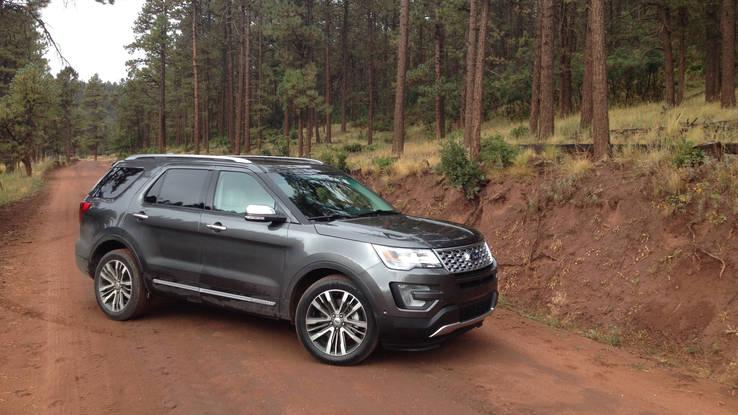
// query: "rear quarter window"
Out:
[116,182]
[179,187]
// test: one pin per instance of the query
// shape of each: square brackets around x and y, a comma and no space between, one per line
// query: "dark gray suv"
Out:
[285,238]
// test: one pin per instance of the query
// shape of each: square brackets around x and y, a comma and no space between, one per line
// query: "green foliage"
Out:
[686,155]
[335,158]
[459,170]
[497,152]
[352,147]
[519,132]
[384,164]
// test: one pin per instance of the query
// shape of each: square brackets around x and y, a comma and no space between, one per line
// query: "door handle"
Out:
[141,215]
[217,226]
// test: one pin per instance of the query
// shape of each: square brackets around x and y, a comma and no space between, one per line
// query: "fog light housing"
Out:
[413,296]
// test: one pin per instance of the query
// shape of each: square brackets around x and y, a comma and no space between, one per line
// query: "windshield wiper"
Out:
[331,217]
[378,212]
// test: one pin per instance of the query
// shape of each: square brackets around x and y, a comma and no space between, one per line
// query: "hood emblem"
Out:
[467,256]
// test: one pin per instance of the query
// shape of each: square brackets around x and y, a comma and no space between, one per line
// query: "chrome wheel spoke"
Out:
[336,322]
[115,287]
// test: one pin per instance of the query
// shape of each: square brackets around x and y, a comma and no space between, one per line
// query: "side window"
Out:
[116,182]
[236,190]
[179,187]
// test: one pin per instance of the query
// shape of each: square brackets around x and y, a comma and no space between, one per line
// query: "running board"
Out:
[214,292]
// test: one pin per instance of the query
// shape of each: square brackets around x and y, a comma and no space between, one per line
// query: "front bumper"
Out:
[467,299]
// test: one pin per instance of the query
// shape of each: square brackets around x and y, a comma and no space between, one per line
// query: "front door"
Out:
[243,261]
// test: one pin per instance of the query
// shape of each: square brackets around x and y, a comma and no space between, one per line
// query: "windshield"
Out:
[329,196]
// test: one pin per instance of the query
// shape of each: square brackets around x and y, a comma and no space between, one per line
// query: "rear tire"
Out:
[119,286]
[335,322]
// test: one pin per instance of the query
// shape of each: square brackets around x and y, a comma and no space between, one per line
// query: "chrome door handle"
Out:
[141,216]
[216,227]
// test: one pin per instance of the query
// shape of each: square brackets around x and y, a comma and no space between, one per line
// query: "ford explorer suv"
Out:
[285,238]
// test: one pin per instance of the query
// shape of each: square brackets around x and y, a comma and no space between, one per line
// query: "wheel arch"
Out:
[106,244]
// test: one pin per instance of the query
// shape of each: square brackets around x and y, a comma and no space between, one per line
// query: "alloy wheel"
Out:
[115,286]
[336,322]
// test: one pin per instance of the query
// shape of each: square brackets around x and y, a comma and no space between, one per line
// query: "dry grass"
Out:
[16,185]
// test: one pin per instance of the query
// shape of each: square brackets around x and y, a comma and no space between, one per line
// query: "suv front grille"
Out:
[476,309]
[465,258]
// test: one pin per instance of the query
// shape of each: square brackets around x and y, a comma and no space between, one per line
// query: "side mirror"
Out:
[263,213]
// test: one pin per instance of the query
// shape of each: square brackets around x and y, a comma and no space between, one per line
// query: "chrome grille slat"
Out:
[464,258]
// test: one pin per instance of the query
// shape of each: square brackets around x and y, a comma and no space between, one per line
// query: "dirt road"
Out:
[59,354]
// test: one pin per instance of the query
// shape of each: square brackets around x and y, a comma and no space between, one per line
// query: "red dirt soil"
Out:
[59,354]
[603,258]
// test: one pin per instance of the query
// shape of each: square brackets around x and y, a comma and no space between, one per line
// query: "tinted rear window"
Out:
[179,187]
[116,182]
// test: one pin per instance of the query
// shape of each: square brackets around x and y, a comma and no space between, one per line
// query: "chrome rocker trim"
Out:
[213,292]
[450,328]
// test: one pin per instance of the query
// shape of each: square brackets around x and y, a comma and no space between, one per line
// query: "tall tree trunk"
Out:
[206,87]
[308,130]
[398,142]
[228,99]
[344,63]
[471,57]
[327,80]
[247,83]
[586,101]
[568,46]
[236,147]
[546,120]
[682,79]
[286,122]
[535,95]
[600,117]
[28,165]
[195,85]
[162,100]
[300,139]
[712,51]
[370,82]
[727,81]
[316,126]
[475,140]
[669,96]
[260,74]
[438,61]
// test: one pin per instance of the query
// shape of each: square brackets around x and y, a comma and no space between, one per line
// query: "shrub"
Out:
[352,147]
[519,132]
[336,159]
[383,164]
[497,152]
[281,146]
[686,155]
[460,171]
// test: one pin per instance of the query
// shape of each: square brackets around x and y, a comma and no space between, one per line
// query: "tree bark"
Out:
[600,117]
[28,165]
[546,119]
[727,81]
[475,139]
[712,50]
[370,82]
[471,57]
[665,14]
[438,61]
[682,78]
[568,46]
[195,85]
[328,110]
[344,63]
[398,142]
[162,101]
[308,130]
[247,83]
[586,104]
[535,96]
[228,99]
[240,92]
[260,74]
[300,140]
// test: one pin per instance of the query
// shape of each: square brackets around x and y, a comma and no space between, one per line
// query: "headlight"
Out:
[405,259]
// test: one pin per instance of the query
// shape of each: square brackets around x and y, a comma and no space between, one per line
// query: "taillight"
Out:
[83,208]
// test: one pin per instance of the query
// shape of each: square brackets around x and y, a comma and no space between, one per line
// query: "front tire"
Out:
[335,322]
[119,287]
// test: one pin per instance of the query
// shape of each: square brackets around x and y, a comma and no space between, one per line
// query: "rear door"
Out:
[243,261]
[164,221]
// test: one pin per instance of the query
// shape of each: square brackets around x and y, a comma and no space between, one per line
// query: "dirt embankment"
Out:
[601,255]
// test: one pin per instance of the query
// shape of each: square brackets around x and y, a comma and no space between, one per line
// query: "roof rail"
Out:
[193,156]
[309,160]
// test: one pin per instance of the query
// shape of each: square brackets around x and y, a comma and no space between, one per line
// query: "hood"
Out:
[401,231]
